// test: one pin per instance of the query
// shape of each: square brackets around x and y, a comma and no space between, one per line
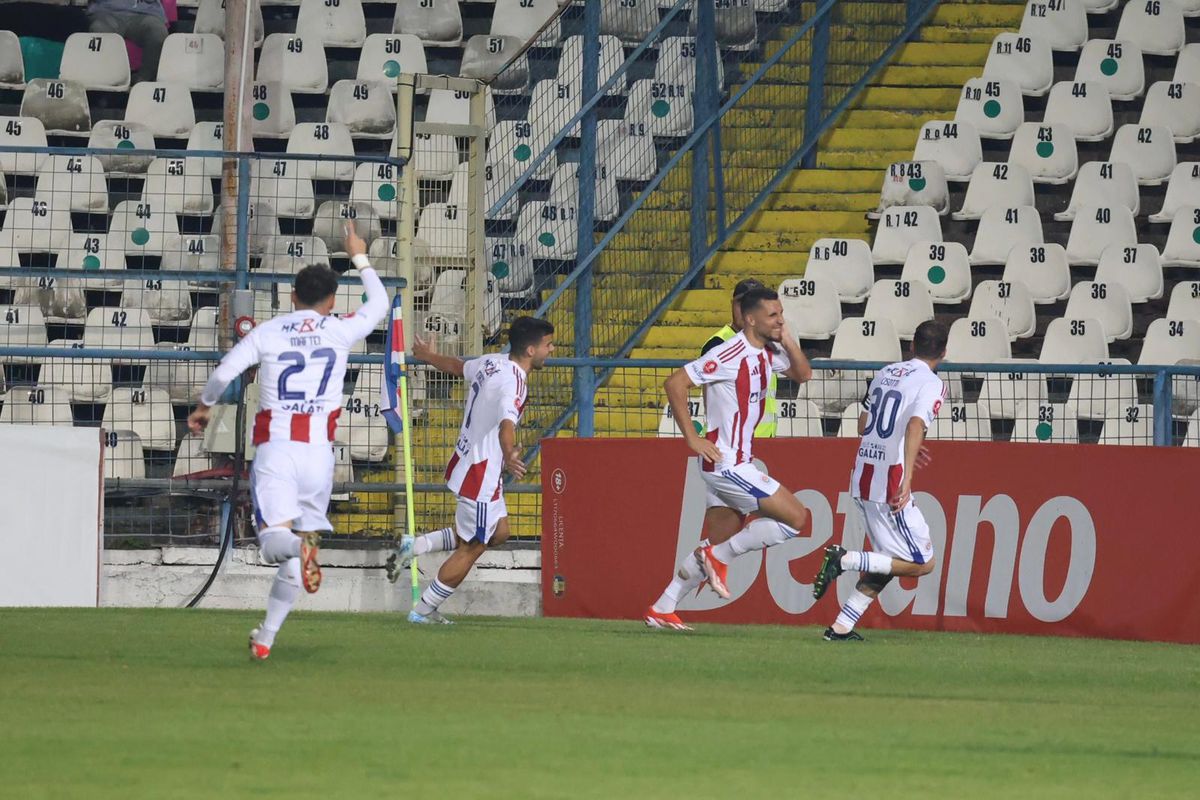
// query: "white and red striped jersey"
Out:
[735,377]
[302,366]
[495,392]
[900,392]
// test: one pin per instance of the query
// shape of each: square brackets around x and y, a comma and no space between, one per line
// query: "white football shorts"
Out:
[739,487]
[291,482]
[477,520]
[904,535]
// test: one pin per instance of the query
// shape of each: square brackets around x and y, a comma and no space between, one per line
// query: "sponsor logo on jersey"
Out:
[306,325]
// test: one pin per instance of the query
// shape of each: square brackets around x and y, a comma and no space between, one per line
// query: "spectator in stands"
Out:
[143,22]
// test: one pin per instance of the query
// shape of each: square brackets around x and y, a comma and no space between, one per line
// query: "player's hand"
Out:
[514,465]
[423,348]
[705,449]
[355,246]
[901,498]
[198,420]
[924,457]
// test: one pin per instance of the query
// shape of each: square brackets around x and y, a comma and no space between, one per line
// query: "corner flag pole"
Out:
[409,503]
[394,407]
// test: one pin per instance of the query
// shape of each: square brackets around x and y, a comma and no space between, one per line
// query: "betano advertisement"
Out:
[1029,538]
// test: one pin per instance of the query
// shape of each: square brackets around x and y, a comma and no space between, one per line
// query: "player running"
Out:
[899,407]
[736,378]
[302,365]
[487,446]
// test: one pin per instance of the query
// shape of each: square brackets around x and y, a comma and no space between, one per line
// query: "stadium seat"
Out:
[61,106]
[178,186]
[290,254]
[1185,301]
[627,149]
[367,109]
[549,230]
[487,58]
[564,191]
[118,328]
[12,65]
[326,139]
[146,412]
[1100,6]
[524,18]
[194,251]
[996,184]
[339,24]
[799,418]
[1103,394]
[296,62]
[60,300]
[96,61]
[665,108]
[285,185]
[570,64]
[208,136]
[1106,302]
[454,108]
[273,113]
[141,228]
[88,251]
[1133,425]
[435,156]
[263,224]
[1044,270]
[32,225]
[1137,268]
[992,106]
[437,23]
[1025,60]
[1156,26]
[1187,65]
[192,458]
[848,428]
[960,422]
[978,341]
[37,405]
[810,307]
[1183,189]
[1069,340]
[666,422]
[168,302]
[1002,228]
[1183,241]
[736,25]
[1149,151]
[857,339]
[444,228]
[1046,151]
[21,326]
[377,185]
[511,263]
[114,134]
[73,182]
[1169,341]
[332,215]
[1002,393]
[386,55]
[954,145]
[1008,301]
[85,380]
[899,228]
[1085,107]
[1062,24]
[1116,65]
[906,303]
[446,317]
[1175,106]
[196,61]
[1045,422]
[21,132]
[630,21]
[914,183]
[943,267]
[210,18]
[1095,228]
[847,262]
[165,109]
[1114,182]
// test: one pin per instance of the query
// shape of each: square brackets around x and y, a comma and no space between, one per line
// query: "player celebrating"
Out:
[736,377]
[302,361]
[900,405]
[487,446]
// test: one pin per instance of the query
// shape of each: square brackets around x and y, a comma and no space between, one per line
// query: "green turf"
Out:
[165,704]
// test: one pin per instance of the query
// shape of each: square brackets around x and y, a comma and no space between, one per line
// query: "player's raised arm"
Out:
[243,356]
[799,370]
[363,321]
[677,387]
[426,350]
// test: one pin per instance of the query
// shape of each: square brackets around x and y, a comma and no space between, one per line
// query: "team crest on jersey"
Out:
[709,367]
[937,406]
[490,368]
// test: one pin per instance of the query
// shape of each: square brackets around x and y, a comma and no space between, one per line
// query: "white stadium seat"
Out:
[194,60]
[85,380]
[1044,270]
[1114,182]
[627,149]
[1183,189]
[1149,151]
[164,108]
[178,186]
[168,302]
[630,21]
[1183,241]
[296,62]
[89,251]
[285,185]
[900,227]
[437,23]
[1008,301]
[1003,393]
[1046,151]
[339,24]
[1085,107]
[847,262]
[1169,341]
[1134,425]
[799,418]
[444,229]
[524,18]
[21,132]
[515,144]
[1136,267]
[37,405]
[210,18]
[1118,65]
[1025,60]
[73,182]
[665,108]
[119,328]
[1156,26]
[960,422]
[141,228]
[290,254]
[454,108]
[955,145]
[677,61]
[12,65]
[848,429]
[1069,340]
[367,109]
[330,220]
[263,224]
[446,317]
[992,106]
[1045,422]
[1002,228]
[32,225]
[21,326]
[978,341]
[1185,301]
[666,421]
[1175,106]
[1102,394]
[1106,302]
[549,230]
[1061,23]
[914,183]
[146,412]
[1187,65]
[512,266]
[386,55]
[273,112]
[96,61]
[378,185]
[326,139]
[994,183]
[491,59]
[564,190]
[906,303]
[61,106]
[193,251]
[736,25]
[208,136]
[192,458]
[857,339]
[1097,227]
[944,268]
[810,307]
[60,300]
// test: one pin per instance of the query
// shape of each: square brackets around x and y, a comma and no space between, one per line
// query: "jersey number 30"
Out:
[881,417]
[325,354]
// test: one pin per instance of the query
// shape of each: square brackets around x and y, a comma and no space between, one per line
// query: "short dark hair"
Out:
[746,285]
[929,340]
[526,332]
[756,297]
[315,283]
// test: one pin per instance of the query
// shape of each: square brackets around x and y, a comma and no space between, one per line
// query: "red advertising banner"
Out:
[1069,540]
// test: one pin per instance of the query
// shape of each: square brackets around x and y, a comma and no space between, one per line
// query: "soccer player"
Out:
[487,446]
[302,364]
[766,429]
[736,379]
[899,407]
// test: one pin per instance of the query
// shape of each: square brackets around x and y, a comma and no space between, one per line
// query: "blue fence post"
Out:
[1163,434]
[915,7]
[704,107]
[584,381]
[814,104]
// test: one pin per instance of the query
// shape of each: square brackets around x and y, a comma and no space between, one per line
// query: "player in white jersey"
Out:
[899,407]
[301,358]
[486,448]
[736,377]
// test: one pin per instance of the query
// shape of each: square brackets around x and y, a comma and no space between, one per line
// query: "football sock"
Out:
[857,561]
[435,542]
[758,535]
[434,595]
[689,576]
[856,605]
[276,545]
[285,590]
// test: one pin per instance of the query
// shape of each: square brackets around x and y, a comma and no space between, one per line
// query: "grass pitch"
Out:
[166,704]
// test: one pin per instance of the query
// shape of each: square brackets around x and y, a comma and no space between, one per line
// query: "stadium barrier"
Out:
[1028,539]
